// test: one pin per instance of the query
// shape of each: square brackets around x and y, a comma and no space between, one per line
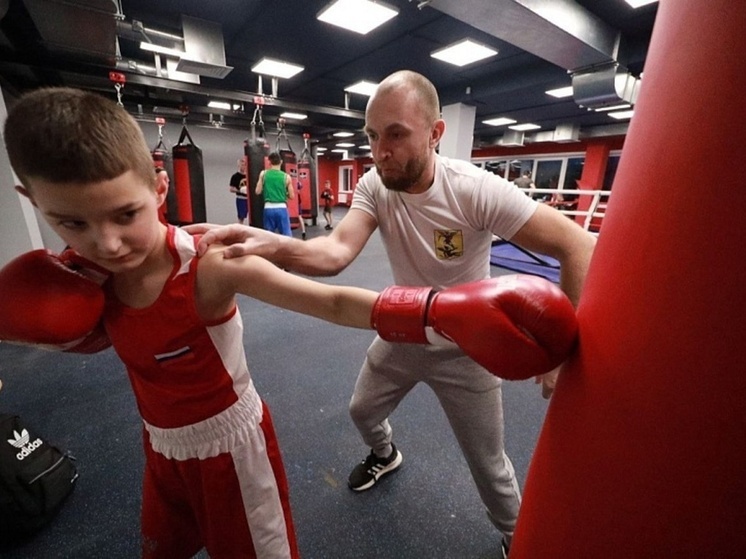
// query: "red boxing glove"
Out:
[47,303]
[515,326]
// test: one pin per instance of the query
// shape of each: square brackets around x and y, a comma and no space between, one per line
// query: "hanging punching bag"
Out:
[308,209]
[290,166]
[643,451]
[189,181]
[256,151]
[162,158]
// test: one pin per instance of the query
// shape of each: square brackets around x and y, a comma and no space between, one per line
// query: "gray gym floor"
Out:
[305,370]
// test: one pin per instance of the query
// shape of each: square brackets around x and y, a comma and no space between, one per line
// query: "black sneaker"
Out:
[369,471]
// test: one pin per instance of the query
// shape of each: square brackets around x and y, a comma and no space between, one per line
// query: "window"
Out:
[573,172]
[611,166]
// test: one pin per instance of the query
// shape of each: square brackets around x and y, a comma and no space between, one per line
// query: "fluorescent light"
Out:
[362,87]
[621,115]
[524,127]
[343,134]
[345,145]
[162,50]
[501,121]
[276,68]
[613,108]
[219,105]
[463,53]
[364,146]
[560,92]
[360,16]
[638,3]
[294,116]
[320,149]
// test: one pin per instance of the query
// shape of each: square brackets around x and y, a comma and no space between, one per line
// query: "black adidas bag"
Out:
[35,479]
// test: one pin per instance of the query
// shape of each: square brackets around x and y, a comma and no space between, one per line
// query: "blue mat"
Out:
[506,255]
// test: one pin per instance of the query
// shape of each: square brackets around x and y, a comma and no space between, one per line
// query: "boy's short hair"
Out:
[274,158]
[61,134]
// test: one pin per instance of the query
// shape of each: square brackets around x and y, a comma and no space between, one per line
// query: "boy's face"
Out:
[113,223]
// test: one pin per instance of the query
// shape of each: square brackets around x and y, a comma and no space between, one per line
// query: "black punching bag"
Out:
[256,151]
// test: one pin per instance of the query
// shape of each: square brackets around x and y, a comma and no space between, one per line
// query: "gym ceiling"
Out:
[596,46]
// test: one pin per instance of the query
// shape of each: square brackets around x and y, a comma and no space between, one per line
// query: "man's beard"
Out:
[413,170]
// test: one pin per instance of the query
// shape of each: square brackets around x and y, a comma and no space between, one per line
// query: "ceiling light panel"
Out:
[501,121]
[219,105]
[276,68]
[362,87]
[525,127]
[294,116]
[621,115]
[360,16]
[463,53]
[639,3]
[560,92]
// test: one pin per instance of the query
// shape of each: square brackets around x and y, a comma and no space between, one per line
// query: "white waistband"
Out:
[275,205]
[215,435]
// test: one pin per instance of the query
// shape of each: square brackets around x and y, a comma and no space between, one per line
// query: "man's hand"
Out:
[241,240]
[548,381]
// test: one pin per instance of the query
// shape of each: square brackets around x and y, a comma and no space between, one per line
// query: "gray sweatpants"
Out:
[471,398]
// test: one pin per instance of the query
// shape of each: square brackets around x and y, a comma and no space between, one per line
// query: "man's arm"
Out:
[289,187]
[549,232]
[322,256]
[260,184]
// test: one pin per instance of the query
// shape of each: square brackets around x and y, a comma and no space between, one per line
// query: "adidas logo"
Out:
[21,440]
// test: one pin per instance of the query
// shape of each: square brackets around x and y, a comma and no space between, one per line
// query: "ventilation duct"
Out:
[605,87]
[565,133]
[81,27]
[204,48]
[511,138]
[561,32]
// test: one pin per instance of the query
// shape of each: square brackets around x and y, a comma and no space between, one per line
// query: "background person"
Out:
[525,181]
[328,197]
[238,185]
[276,188]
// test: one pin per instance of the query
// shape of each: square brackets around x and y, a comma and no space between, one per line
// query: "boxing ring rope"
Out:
[596,209]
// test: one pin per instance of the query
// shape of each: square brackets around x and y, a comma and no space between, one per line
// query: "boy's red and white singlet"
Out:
[201,414]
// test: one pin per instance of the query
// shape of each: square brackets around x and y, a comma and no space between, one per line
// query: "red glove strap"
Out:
[399,314]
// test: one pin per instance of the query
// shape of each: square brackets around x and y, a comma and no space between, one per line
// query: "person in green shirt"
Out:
[276,188]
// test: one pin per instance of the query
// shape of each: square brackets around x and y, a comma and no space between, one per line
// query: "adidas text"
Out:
[28,449]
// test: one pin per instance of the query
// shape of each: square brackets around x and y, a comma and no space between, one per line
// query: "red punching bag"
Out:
[290,166]
[305,182]
[189,181]
[643,451]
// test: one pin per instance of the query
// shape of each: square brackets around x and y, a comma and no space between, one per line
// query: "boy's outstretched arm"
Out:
[514,326]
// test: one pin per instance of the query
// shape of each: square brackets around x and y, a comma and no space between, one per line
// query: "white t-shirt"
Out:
[443,236]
